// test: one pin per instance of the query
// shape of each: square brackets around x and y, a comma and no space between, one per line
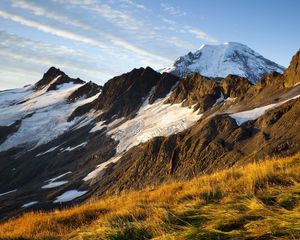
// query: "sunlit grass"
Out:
[257,201]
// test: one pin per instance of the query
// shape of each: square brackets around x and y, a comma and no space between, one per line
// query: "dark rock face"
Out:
[5,131]
[196,89]
[292,73]
[272,79]
[204,92]
[53,73]
[164,86]
[87,90]
[81,110]
[234,86]
[123,95]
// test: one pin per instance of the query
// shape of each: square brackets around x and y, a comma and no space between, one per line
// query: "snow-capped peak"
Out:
[222,60]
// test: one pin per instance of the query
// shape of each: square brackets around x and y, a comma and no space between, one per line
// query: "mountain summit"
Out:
[222,60]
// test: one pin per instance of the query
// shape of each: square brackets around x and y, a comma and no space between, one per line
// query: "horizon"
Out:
[97,40]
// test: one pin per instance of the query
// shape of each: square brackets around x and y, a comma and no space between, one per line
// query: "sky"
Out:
[98,39]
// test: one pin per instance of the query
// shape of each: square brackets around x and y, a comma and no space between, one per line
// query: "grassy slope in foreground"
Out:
[258,201]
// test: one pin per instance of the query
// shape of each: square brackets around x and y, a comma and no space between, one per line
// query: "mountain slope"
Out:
[64,141]
[257,201]
[221,60]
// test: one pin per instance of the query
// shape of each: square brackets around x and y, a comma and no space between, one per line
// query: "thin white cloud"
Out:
[17,52]
[13,41]
[173,10]
[106,11]
[133,4]
[200,34]
[114,16]
[29,69]
[135,27]
[48,61]
[168,21]
[49,29]
[123,39]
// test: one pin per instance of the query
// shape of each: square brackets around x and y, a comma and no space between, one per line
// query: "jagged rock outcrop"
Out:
[196,90]
[87,90]
[5,131]
[205,92]
[54,77]
[123,95]
[272,79]
[292,73]
[164,86]
[234,86]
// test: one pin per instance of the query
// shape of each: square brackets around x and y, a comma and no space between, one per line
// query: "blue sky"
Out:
[98,39]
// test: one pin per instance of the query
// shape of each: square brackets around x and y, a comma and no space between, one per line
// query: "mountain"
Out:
[64,141]
[255,201]
[220,60]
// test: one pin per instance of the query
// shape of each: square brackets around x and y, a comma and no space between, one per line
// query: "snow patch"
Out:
[99,126]
[252,114]
[255,113]
[219,100]
[58,177]
[69,196]
[54,184]
[69,149]
[100,167]
[50,150]
[2,194]
[29,204]
[64,86]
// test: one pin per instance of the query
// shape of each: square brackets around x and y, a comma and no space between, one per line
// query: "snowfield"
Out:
[44,113]
[152,120]
[222,60]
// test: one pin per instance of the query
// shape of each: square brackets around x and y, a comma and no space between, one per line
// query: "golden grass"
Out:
[257,201]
